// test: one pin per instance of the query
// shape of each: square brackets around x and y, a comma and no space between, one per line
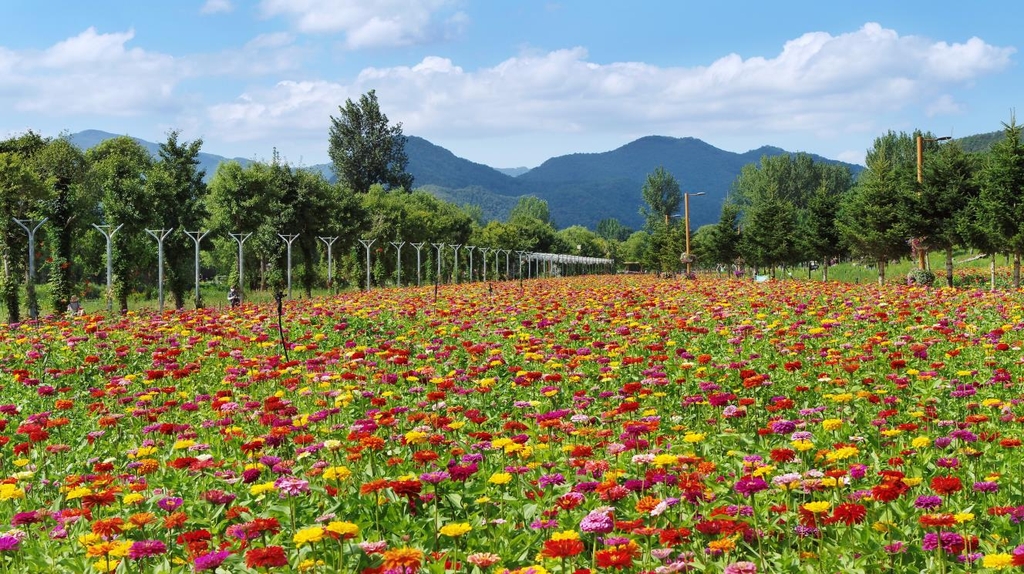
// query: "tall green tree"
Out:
[246,201]
[950,185]
[365,149]
[531,206]
[723,240]
[178,190]
[770,232]
[662,198]
[21,195]
[877,218]
[819,229]
[118,170]
[71,208]
[1002,185]
[612,229]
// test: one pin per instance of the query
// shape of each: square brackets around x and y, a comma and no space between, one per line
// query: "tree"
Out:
[662,196]
[876,219]
[1002,181]
[118,171]
[313,208]
[365,149]
[722,243]
[531,207]
[819,230]
[245,201]
[634,247]
[72,205]
[769,232]
[21,195]
[612,229]
[950,185]
[179,192]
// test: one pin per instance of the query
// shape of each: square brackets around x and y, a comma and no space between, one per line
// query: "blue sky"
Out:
[512,82]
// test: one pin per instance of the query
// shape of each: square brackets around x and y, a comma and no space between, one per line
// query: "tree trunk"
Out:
[881,273]
[992,273]
[824,270]
[1016,271]
[949,267]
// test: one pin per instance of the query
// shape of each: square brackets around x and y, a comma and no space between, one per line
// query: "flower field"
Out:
[622,423]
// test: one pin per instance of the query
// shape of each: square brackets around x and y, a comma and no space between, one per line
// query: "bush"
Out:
[920,277]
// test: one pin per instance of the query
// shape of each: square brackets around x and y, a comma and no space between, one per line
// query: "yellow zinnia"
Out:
[309,535]
[343,528]
[455,530]
[500,478]
[817,507]
[997,561]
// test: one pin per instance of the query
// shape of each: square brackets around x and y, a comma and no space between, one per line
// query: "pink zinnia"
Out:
[146,549]
[741,568]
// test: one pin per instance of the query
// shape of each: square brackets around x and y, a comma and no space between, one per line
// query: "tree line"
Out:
[783,211]
[117,189]
[789,210]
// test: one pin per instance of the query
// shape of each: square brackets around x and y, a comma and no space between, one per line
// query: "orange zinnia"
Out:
[646,504]
[403,559]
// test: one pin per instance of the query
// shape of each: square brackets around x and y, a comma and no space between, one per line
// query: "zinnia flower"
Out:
[146,549]
[402,560]
[269,557]
[741,568]
[455,530]
[210,561]
[310,535]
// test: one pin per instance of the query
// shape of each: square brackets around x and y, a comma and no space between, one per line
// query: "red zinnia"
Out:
[946,485]
[269,557]
[561,548]
[849,513]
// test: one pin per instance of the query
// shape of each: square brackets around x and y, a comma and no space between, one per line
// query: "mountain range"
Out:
[581,188]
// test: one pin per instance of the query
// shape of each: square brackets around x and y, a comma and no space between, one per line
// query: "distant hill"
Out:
[207,161]
[581,188]
[980,142]
[434,165]
[513,171]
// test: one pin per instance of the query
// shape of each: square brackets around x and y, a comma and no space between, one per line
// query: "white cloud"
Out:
[372,23]
[91,73]
[217,7]
[850,156]
[100,74]
[944,105]
[819,84]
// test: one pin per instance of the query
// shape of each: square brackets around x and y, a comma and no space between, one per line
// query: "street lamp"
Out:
[922,254]
[686,216]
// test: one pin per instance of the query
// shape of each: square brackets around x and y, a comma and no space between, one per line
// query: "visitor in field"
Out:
[234,298]
[75,306]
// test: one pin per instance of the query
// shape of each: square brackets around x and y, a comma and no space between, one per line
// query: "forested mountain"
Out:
[980,142]
[581,188]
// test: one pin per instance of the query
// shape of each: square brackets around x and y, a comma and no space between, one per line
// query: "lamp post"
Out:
[686,217]
[922,254]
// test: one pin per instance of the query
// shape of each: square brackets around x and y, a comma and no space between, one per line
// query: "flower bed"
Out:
[606,423]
